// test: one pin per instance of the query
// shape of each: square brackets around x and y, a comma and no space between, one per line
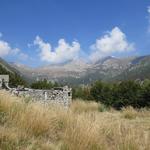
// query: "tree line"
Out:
[44,84]
[117,95]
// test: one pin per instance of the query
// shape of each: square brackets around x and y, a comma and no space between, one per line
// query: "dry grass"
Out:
[80,106]
[129,113]
[33,126]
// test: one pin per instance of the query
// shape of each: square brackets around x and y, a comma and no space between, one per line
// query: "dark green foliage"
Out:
[118,95]
[126,93]
[145,94]
[102,92]
[44,85]
[14,78]
[81,92]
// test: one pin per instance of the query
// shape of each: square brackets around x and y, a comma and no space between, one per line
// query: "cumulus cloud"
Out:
[112,42]
[23,56]
[62,53]
[6,49]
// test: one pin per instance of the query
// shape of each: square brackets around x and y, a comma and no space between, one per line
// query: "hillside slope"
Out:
[81,72]
[14,74]
[139,69]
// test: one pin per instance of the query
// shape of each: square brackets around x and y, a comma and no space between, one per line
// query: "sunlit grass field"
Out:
[84,126]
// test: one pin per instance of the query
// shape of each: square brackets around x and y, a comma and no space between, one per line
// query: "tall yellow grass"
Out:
[34,126]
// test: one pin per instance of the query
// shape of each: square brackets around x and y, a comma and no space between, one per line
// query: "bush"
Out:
[102,92]
[117,95]
[126,93]
[145,95]
[44,85]
[82,93]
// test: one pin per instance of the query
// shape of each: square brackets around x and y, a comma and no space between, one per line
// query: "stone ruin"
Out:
[59,95]
[4,81]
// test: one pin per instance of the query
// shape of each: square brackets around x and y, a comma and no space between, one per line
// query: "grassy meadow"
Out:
[84,126]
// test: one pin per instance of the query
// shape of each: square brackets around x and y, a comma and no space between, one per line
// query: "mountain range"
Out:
[81,72]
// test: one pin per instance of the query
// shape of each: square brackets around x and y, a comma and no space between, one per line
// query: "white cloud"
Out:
[63,52]
[6,49]
[112,42]
[23,56]
[15,51]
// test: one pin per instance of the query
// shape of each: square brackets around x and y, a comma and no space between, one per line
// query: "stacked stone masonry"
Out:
[61,95]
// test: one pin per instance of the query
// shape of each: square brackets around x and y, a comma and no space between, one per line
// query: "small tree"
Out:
[43,85]
[82,92]
[126,93]
[145,95]
[102,92]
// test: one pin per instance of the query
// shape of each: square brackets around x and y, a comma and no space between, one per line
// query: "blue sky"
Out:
[37,32]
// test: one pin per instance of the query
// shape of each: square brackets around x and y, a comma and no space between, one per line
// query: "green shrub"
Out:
[117,95]
[44,85]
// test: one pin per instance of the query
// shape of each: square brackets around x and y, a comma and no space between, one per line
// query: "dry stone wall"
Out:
[4,80]
[61,96]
